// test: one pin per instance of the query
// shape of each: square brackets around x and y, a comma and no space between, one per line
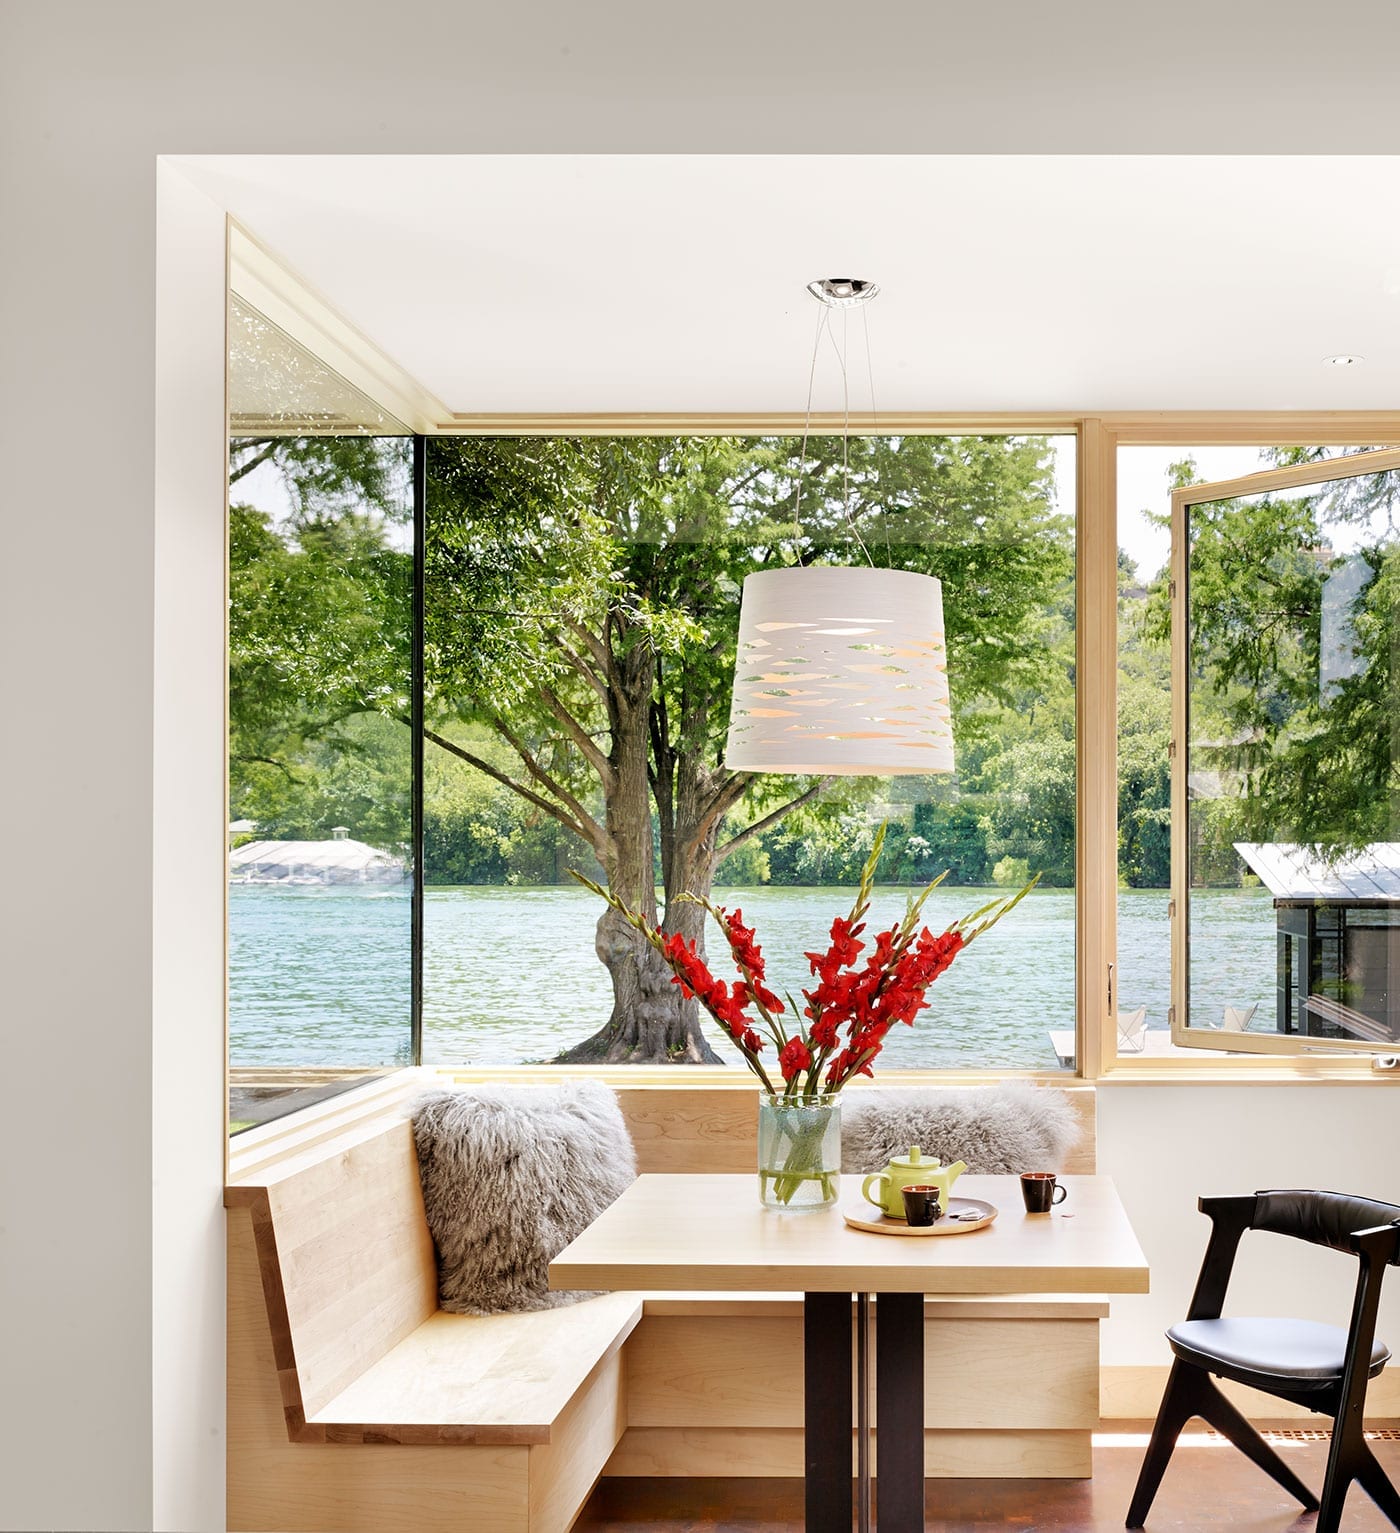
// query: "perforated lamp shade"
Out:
[841,671]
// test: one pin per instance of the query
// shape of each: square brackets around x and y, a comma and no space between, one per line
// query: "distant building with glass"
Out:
[1338,938]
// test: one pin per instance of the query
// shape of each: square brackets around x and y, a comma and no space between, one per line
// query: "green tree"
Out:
[583,603]
[1286,752]
[1144,733]
[1314,760]
[319,633]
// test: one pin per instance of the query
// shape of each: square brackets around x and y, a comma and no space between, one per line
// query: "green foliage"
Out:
[319,632]
[1307,761]
[536,543]
[748,867]
[1144,730]
[476,831]
[1010,871]
[950,835]
[359,777]
[1033,820]
[1277,753]
[644,542]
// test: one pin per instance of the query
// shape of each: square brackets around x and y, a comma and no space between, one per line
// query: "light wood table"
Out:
[683,1232]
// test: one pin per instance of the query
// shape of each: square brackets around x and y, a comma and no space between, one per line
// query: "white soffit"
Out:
[556,283]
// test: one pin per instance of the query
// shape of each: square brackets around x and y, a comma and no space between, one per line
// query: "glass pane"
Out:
[320,588]
[1294,723]
[277,388]
[582,606]
[1146,478]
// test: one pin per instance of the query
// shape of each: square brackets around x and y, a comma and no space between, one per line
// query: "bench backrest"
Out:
[345,1257]
[699,1128]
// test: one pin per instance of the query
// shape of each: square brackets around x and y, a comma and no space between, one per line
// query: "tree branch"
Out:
[589,674]
[281,766]
[235,474]
[548,783]
[590,832]
[724,800]
[769,820]
[596,758]
[591,642]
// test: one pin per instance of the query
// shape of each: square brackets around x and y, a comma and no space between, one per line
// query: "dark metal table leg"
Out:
[863,1413]
[899,1407]
[826,1385]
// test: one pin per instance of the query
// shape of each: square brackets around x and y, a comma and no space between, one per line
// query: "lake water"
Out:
[319,976]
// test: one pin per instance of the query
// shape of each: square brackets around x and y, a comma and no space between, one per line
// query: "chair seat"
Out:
[1291,1354]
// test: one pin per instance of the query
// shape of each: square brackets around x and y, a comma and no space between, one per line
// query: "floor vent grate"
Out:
[1313,1435]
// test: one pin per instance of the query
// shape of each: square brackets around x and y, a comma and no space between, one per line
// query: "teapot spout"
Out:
[955,1171]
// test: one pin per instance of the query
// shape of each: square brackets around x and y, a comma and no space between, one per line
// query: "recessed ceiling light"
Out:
[1346,359]
[842,292]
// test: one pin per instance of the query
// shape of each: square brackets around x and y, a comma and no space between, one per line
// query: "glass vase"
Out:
[799,1152]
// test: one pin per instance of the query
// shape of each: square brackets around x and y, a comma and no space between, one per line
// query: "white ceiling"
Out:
[676,283]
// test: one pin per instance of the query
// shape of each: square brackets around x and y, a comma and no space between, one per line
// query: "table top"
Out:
[679,1232]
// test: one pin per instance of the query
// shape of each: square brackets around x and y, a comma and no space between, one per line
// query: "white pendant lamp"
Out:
[840,670]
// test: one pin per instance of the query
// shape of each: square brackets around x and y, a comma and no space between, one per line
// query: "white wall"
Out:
[90,94]
[190,798]
[1165,1146]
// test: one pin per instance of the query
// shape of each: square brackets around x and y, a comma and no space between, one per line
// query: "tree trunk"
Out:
[651,1022]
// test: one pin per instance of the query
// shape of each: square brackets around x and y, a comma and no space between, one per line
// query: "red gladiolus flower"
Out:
[843,952]
[750,960]
[823,1032]
[794,1059]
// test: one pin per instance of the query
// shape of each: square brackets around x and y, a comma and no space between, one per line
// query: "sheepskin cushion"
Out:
[1012,1127]
[511,1174]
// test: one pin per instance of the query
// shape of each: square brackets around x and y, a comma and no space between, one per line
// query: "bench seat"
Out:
[498,1379]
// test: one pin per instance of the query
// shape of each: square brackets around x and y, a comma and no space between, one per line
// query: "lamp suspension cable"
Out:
[829,295]
[822,316]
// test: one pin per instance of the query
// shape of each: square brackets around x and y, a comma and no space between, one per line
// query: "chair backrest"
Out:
[1132,1029]
[1323,1218]
[1237,1018]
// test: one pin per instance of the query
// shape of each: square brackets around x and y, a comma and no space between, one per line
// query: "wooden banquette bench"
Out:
[354,1403]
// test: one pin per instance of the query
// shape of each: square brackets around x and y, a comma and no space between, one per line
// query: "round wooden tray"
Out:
[882,1224]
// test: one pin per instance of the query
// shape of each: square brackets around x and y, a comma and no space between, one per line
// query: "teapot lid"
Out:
[915,1157]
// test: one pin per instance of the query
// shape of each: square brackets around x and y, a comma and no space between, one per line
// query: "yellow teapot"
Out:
[913,1171]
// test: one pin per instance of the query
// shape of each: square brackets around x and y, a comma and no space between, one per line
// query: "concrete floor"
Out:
[1208,1485]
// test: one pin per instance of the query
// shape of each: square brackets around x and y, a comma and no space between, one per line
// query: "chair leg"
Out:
[1376,1483]
[1189,1393]
[1334,1495]
[1217,1411]
[1175,1411]
[1351,1459]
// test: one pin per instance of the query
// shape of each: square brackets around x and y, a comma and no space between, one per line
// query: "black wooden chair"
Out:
[1321,1367]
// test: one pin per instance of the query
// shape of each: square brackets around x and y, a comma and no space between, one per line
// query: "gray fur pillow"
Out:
[511,1174]
[996,1129]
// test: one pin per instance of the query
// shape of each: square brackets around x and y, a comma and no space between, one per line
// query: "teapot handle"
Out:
[875,1176]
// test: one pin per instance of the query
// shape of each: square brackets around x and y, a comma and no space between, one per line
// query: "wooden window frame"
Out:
[263,280]
[1325,471]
